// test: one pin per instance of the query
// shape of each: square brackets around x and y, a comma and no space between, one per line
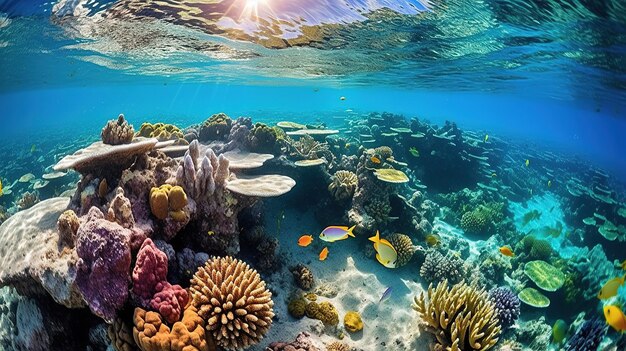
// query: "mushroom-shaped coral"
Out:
[168,200]
[238,159]
[352,321]
[233,300]
[343,185]
[215,127]
[303,276]
[461,317]
[325,312]
[507,304]
[102,272]
[261,186]
[117,132]
[152,334]
[404,247]
[545,275]
[390,175]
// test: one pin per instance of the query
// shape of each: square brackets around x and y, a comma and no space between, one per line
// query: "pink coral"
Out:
[150,270]
[170,301]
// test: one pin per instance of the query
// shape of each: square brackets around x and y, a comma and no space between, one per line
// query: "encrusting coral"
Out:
[117,132]
[151,334]
[462,318]
[233,300]
[404,247]
[343,185]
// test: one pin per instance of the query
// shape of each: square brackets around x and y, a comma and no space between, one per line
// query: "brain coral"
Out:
[343,185]
[404,246]
[461,317]
[103,268]
[325,312]
[233,300]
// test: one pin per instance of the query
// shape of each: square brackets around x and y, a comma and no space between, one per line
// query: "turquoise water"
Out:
[500,124]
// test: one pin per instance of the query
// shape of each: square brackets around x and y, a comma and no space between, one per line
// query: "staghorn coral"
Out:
[68,224]
[404,247]
[151,334]
[460,317]
[437,267]
[121,335]
[352,321]
[233,300]
[303,277]
[507,304]
[588,337]
[102,270]
[324,311]
[297,307]
[343,185]
[117,132]
[215,127]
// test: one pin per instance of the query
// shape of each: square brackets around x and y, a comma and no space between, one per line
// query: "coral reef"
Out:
[303,342]
[507,304]
[103,267]
[263,138]
[67,225]
[343,185]
[303,277]
[461,317]
[151,334]
[28,200]
[352,321]
[234,302]
[535,334]
[594,269]
[437,267]
[162,132]
[588,336]
[324,311]
[117,132]
[215,127]
[404,247]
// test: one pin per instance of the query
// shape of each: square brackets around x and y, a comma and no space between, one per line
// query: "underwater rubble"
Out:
[186,238]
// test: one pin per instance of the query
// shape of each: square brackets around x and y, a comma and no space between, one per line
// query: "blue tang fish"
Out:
[335,233]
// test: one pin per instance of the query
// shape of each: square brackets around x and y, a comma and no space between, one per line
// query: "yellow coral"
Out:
[352,321]
[296,307]
[162,132]
[177,198]
[462,318]
[325,312]
[168,200]
[159,204]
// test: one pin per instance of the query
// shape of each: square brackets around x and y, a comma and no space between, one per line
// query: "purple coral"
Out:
[189,261]
[169,301]
[103,266]
[587,337]
[150,270]
[507,304]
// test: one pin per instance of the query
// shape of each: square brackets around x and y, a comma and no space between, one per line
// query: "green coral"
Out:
[537,249]
[162,132]
[325,312]
[573,294]
[474,222]
[296,307]
[216,127]
[482,219]
[534,298]
[265,139]
[545,275]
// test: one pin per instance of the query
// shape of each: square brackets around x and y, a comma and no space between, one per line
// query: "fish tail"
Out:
[375,238]
[350,231]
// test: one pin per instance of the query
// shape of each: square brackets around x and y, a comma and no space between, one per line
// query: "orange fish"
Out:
[305,240]
[375,159]
[324,254]
[506,251]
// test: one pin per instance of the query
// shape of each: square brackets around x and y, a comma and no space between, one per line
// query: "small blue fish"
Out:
[386,294]
[335,233]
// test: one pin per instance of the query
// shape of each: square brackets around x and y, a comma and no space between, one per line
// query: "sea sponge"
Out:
[150,269]
[162,132]
[461,317]
[121,335]
[233,300]
[325,312]
[303,277]
[169,301]
[151,334]
[343,185]
[168,200]
[352,321]
[67,225]
[404,247]
[507,304]
[159,204]
[296,307]
[437,267]
[216,127]
[117,132]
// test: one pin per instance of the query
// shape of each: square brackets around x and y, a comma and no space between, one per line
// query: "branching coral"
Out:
[117,132]
[437,267]
[461,317]
[308,148]
[404,247]
[507,304]
[588,337]
[233,300]
[343,185]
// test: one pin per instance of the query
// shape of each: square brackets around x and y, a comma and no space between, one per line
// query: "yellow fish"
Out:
[549,183]
[527,162]
[375,159]
[486,137]
[210,233]
[432,239]
[610,288]
[506,251]
[1,191]
[493,175]
[385,253]
[615,318]
[347,145]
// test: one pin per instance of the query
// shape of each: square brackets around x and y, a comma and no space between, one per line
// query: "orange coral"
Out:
[152,334]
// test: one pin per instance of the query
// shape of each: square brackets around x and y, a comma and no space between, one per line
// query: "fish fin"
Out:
[375,238]
[350,231]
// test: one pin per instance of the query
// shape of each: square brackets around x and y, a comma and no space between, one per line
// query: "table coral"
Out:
[102,272]
[233,300]
[460,317]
